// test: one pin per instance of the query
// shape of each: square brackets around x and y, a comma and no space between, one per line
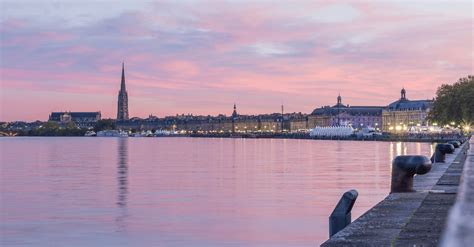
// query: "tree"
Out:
[104,124]
[454,103]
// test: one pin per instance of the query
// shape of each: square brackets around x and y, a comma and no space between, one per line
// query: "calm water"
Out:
[184,191]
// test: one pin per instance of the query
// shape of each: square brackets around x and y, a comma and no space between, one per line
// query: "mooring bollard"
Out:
[456,144]
[341,215]
[404,167]
[440,152]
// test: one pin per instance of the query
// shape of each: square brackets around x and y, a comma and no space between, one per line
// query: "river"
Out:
[80,191]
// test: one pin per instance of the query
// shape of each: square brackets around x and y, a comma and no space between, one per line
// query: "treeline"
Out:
[455,103]
[54,129]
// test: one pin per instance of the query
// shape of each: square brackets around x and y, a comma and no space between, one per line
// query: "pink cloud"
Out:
[201,60]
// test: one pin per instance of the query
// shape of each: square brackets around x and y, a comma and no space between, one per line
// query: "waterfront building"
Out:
[341,115]
[81,119]
[122,104]
[295,122]
[404,114]
[235,123]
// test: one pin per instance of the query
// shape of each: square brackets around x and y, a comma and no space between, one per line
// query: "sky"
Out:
[201,57]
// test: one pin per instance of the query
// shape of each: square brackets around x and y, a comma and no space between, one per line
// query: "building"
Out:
[340,114]
[234,117]
[81,119]
[235,123]
[122,104]
[404,114]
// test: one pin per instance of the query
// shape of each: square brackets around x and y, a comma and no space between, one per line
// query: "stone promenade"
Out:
[419,218]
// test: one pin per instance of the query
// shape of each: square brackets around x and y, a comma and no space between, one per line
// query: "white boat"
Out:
[148,133]
[333,131]
[123,133]
[112,133]
[137,134]
[369,132]
[162,133]
[90,133]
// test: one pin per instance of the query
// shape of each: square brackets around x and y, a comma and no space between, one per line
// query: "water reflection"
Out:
[198,192]
[122,182]
[401,148]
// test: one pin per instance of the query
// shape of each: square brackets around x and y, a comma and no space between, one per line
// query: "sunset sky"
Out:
[200,57]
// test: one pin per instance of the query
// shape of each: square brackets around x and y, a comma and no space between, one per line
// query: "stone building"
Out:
[235,123]
[81,119]
[403,114]
[340,114]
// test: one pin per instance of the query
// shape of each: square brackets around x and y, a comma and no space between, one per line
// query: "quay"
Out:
[421,218]
[387,137]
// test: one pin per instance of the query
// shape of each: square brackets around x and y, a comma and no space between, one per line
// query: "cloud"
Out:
[201,56]
[335,13]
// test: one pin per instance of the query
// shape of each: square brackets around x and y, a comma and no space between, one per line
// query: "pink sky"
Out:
[200,57]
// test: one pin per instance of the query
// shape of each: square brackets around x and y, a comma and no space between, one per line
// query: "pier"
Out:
[421,218]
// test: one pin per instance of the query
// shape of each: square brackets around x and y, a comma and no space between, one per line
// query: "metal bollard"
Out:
[440,152]
[404,167]
[456,144]
[341,215]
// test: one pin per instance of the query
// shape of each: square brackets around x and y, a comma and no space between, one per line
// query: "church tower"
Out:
[122,106]
[234,117]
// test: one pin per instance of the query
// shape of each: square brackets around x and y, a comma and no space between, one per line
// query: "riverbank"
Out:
[409,219]
[385,137]
[306,136]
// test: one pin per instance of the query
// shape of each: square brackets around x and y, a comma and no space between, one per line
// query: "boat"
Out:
[333,131]
[90,133]
[112,133]
[368,132]
[138,134]
[148,133]
[123,133]
[162,133]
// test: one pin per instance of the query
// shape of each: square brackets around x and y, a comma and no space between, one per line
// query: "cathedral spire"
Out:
[122,84]
[122,103]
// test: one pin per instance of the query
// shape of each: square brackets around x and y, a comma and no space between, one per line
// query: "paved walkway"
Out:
[426,225]
[409,219]
[460,225]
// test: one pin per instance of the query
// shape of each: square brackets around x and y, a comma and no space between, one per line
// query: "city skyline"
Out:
[185,58]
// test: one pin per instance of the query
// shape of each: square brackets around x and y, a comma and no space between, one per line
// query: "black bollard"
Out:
[404,167]
[341,215]
[456,144]
[441,150]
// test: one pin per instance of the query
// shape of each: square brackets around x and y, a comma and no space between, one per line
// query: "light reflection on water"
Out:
[184,191]
[122,183]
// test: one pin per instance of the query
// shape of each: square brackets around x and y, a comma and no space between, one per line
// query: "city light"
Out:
[398,128]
